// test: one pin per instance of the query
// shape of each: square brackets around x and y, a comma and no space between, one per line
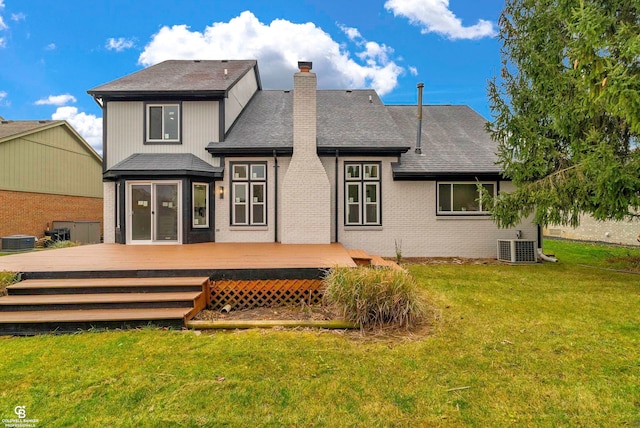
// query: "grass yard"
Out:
[538,345]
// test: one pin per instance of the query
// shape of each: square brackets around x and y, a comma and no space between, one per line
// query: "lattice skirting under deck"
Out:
[265,293]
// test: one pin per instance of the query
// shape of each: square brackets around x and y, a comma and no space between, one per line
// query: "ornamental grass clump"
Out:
[374,297]
[6,279]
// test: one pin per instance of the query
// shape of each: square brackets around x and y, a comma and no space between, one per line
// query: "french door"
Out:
[154,210]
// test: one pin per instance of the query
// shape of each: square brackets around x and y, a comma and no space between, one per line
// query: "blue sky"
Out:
[51,53]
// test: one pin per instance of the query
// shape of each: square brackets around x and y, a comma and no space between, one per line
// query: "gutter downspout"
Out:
[541,254]
[337,194]
[275,207]
[419,137]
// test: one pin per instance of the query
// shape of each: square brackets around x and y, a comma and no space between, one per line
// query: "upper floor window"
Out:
[362,194]
[249,188]
[163,123]
[462,198]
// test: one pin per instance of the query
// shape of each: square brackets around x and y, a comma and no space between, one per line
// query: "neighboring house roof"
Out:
[12,129]
[206,77]
[348,121]
[454,141]
[141,164]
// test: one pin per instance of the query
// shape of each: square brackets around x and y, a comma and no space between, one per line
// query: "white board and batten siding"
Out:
[126,133]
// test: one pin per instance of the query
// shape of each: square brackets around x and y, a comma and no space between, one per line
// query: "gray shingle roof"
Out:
[454,140]
[9,128]
[163,163]
[345,119]
[180,76]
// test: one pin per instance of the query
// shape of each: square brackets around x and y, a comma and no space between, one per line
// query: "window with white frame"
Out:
[463,198]
[200,203]
[249,194]
[163,123]
[362,194]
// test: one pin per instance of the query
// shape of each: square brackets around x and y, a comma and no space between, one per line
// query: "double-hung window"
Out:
[163,123]
[249,194]
[463,198]
[362,194]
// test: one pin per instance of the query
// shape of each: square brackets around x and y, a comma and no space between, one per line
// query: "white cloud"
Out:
[434,16]
[50,46]
[413,71]
[56,100]
[3,95]
[87,125]
[3,42]
[3,26]
[118,44]
[278,47]
[18,16]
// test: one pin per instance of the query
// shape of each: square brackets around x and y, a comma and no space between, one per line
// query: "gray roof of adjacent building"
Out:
[180,77]
[10,128]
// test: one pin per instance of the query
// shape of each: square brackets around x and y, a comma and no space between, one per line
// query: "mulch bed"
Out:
[314,312]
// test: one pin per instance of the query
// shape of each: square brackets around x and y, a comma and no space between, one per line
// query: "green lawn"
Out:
[539,345]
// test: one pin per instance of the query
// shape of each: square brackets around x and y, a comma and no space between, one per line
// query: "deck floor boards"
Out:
[116,257]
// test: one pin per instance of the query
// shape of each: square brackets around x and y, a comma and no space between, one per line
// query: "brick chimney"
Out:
[306,192]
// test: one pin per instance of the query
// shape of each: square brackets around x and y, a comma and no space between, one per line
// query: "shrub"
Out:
[63,244]
[6,279]
[375,297]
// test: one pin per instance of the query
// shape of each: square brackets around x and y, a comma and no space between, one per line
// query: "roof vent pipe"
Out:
[419,137]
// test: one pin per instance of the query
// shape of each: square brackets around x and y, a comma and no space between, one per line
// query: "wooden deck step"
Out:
[98,301]
[360,257]
[36,322]
[378,261]
[106,285]
[94,315]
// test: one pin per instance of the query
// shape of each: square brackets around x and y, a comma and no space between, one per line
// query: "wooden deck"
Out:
[123,286]
[193,259]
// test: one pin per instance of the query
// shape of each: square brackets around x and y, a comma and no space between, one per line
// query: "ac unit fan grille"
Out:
[516,250]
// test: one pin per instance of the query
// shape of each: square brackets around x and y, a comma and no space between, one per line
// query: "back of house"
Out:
[196,151]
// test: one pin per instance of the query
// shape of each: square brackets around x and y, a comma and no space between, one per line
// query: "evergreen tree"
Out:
[566,110]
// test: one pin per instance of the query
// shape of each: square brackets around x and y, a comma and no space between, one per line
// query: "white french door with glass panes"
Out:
[154,213]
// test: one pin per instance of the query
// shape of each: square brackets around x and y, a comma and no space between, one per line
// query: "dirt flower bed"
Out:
[314,312]
[447,261]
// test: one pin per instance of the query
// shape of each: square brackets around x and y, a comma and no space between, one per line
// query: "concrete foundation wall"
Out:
[614,232]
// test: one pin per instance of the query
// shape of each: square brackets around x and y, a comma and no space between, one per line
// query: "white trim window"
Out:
[200,205]
[249,194]
[362,194]
[463,198]
[163,123]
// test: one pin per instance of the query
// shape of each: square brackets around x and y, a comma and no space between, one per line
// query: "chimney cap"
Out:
[305,66]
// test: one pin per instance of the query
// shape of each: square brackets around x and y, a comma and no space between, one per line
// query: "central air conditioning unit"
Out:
[18,243]
[516,250]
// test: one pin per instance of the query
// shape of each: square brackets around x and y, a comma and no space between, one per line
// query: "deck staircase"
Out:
[68,305]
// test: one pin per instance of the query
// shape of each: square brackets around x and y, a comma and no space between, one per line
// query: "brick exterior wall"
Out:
[306,192]
[409,218]
[31,213]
